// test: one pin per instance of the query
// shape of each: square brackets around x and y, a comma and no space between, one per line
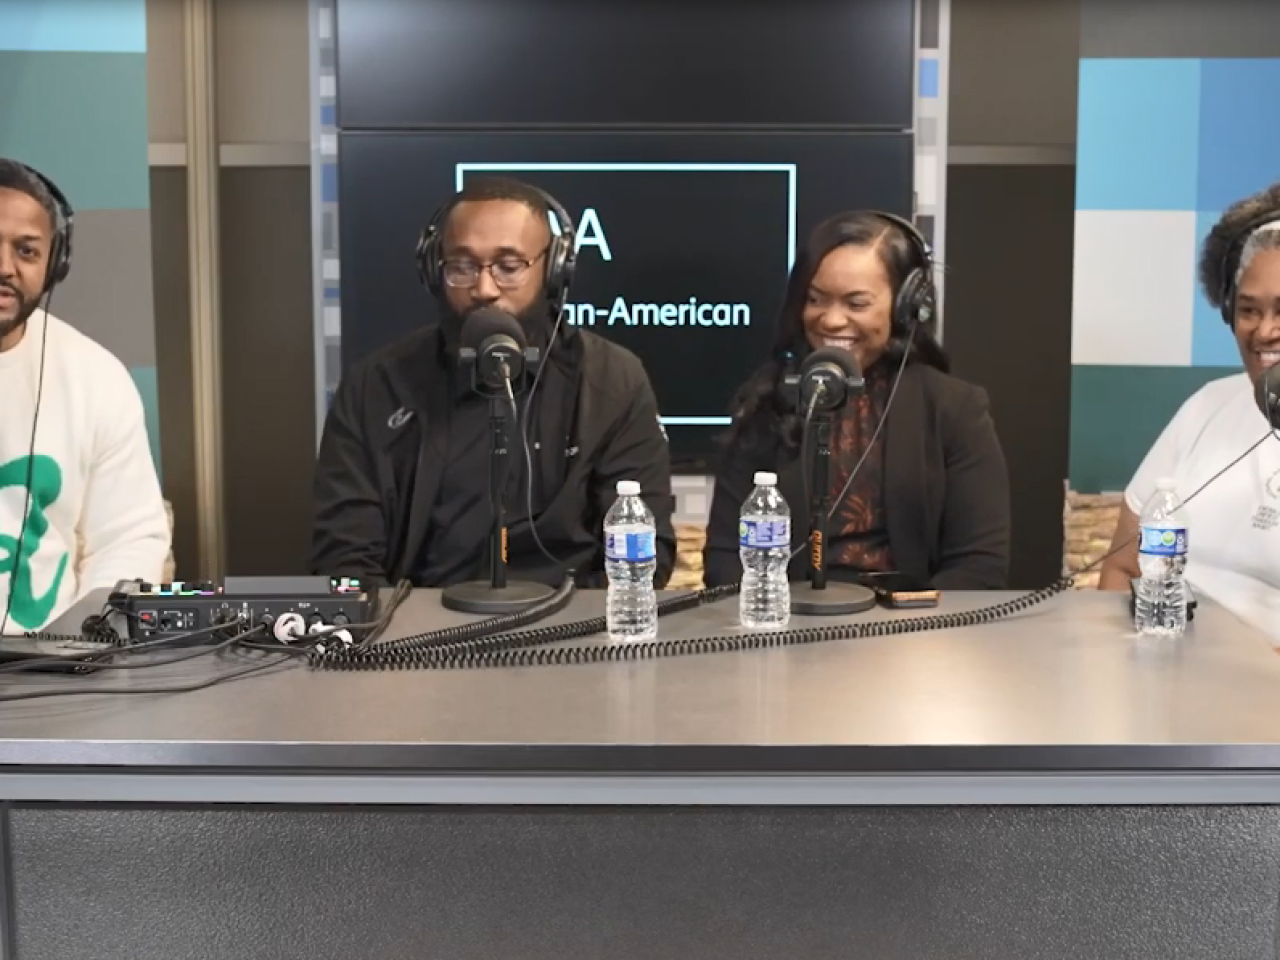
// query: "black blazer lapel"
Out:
[907,436]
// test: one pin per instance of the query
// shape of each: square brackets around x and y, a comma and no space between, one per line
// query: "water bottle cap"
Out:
[1166,483]
[764,479]
[628,488]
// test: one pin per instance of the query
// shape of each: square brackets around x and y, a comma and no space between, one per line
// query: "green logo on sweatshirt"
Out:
[26,609]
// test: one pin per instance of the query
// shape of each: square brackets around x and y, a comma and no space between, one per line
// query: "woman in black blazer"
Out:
[931,496]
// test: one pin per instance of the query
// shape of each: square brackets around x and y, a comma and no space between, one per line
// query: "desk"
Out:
[1046,786]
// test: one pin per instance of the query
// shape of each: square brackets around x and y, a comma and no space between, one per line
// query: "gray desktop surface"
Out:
[1060,687]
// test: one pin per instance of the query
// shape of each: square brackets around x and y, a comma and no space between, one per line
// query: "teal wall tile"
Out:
[1118,411]
[145,380]
[81,119]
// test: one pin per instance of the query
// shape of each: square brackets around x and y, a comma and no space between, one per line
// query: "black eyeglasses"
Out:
[507,272]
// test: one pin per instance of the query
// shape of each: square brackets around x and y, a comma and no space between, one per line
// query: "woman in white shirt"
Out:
[1233,554]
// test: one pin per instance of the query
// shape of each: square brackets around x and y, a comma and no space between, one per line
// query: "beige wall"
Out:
[263,76]
[166,113]
[1010,229]
[1013,80]
[262,68]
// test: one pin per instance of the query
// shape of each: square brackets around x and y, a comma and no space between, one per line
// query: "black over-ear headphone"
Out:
[917,297]
[916,301]
[63,231]
[1231,264]
[561,258]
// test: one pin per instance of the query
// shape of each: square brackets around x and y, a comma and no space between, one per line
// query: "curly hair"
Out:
[1232,237]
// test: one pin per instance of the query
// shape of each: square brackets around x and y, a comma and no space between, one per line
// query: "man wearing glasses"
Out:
[401,482]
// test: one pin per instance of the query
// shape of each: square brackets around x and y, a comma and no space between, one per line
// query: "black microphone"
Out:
[827,378]
[1266,394]
[494,345]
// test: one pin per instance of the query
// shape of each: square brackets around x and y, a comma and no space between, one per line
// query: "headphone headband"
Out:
[561,260]
[65,210]
[916,300]
[923,248]
[60,253]
[1231,263]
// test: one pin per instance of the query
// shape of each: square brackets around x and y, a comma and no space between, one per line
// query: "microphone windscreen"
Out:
[482,324]
[845,361]
[1266,394]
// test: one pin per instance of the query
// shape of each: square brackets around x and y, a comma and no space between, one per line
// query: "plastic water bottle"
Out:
[631,557]
[764,544]
[1160,607]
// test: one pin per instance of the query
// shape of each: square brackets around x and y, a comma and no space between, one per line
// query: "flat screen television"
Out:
[685,240]
[414,64]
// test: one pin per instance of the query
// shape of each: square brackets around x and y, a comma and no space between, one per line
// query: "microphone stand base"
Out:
[833,600]
[481,597]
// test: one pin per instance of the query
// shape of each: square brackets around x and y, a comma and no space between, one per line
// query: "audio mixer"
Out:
[170,610]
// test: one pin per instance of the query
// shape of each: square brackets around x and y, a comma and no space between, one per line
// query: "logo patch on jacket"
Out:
[399,418]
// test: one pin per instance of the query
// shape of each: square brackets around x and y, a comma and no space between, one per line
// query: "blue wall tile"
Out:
[1239,144]
[928,77]
[103,26]
[1138,135]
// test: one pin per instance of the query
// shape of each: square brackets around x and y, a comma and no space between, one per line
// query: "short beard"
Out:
[18,320]
[534,320]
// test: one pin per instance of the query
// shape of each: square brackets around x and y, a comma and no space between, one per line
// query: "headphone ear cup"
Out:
[1228,307]
[428,261]
[908,304]
[560,265]
[927,311]
[59,262]
[569,266]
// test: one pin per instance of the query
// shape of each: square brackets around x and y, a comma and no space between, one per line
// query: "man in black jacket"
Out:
[401,482]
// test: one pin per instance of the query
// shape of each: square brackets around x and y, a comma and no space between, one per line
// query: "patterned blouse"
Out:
[859,536]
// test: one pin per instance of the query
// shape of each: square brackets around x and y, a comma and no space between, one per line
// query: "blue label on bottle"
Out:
[1162,541]
[764,534]
[633,547]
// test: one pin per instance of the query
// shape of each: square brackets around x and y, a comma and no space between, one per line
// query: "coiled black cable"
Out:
[530,648]
[447,636]
[467,642]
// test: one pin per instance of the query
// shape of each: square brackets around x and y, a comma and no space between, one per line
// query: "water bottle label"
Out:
[1163,541]
[632,547]
[764,534]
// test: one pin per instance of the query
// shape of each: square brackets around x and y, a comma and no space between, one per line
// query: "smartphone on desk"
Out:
[901,590]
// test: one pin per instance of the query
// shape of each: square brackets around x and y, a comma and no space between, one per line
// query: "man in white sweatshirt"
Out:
[80,503]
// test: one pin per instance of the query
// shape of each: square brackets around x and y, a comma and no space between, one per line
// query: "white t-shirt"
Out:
[96,512]
[1233,525]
